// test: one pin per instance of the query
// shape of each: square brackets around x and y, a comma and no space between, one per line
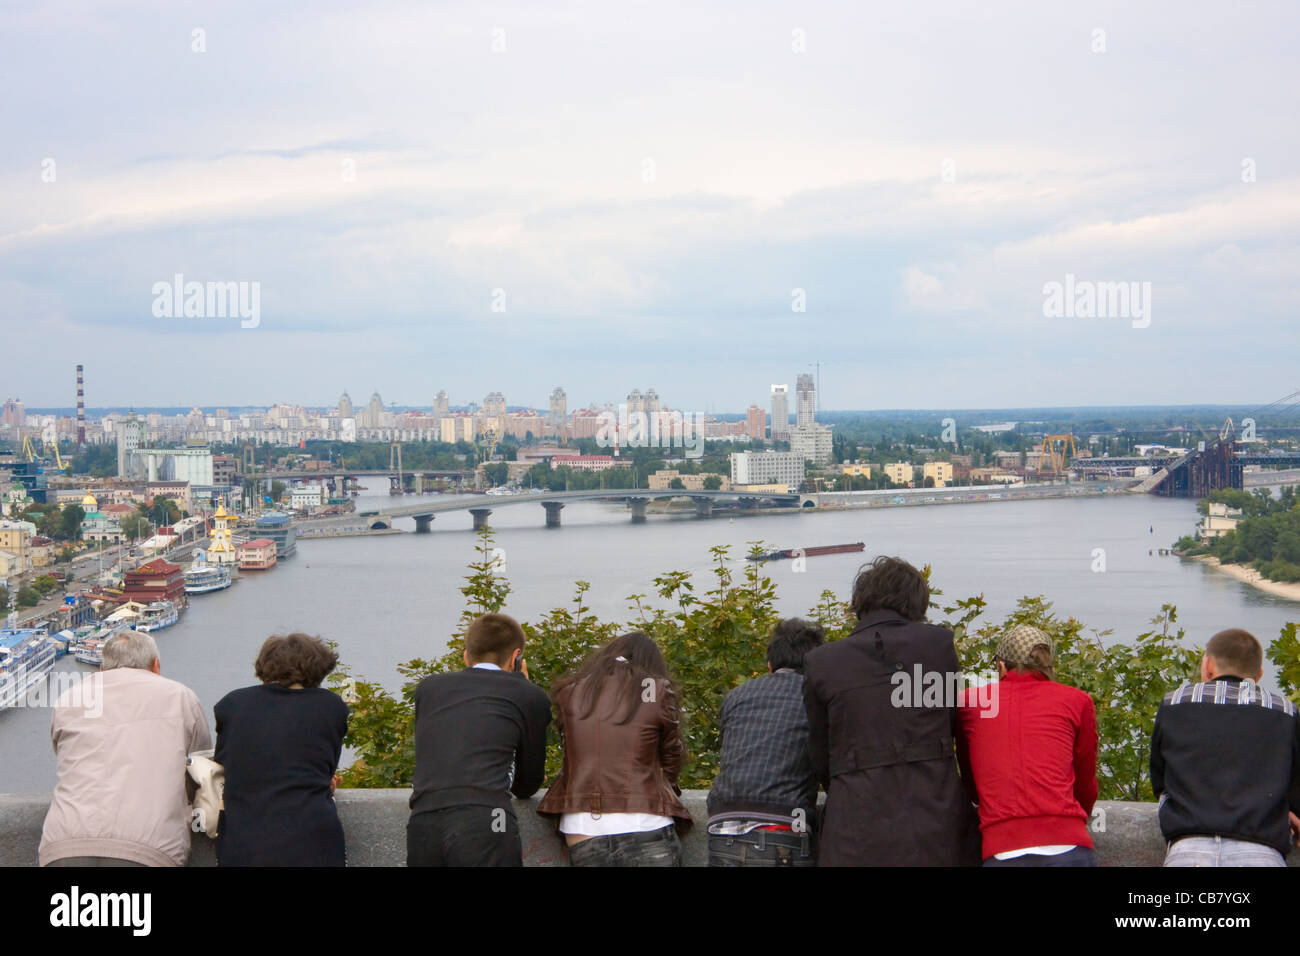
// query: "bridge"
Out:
[481,506]
[1195,474]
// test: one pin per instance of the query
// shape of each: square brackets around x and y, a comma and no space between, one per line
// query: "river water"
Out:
[388,599]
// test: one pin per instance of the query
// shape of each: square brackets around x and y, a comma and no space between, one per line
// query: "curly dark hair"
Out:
[288,659]
[891,584]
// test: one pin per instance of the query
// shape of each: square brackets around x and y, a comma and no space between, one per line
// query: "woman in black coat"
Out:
[279,743]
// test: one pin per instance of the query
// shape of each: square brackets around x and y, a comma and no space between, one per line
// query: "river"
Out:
[391,598]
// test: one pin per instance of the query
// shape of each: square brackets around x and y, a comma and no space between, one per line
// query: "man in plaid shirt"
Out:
[763,801]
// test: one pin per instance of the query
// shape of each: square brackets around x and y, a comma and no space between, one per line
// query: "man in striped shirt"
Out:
[1225,762]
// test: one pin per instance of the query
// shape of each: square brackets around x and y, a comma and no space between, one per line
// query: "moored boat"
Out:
[204,578]
[156,616]
[26,658]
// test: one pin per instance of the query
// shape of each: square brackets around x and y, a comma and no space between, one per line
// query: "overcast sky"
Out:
[643,187]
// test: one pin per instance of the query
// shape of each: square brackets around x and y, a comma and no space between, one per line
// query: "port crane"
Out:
[52,450]
[1057,452]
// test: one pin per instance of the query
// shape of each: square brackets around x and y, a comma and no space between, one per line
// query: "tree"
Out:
[4,597]
[277,489]
[136,525]
[50,524]
[677,484]
[496,473]
[70,523]
[712,482]
[45,584]
[28,597]
[161,510]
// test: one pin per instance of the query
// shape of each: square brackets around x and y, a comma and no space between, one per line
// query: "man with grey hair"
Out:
[121,796]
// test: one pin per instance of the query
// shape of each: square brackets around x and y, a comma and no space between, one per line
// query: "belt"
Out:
[869,758]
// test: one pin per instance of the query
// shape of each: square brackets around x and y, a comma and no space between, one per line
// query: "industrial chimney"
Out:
[81,413]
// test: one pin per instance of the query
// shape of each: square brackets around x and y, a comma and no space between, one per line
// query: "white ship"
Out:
[156,616]
[26,658]
[203,578]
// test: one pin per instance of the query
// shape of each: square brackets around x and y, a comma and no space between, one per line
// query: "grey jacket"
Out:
[120,742]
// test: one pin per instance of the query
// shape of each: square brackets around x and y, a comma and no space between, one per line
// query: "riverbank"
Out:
[1248,575]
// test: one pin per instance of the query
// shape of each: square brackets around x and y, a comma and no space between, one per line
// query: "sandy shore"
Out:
[1290,591]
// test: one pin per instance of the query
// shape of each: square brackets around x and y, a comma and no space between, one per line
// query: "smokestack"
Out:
[81,412]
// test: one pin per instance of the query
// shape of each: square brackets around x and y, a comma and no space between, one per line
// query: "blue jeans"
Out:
[761,848]
[1221,851]
[1079,856]
[651,848]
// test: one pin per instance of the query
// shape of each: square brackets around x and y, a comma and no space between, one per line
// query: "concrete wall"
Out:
[1127,834]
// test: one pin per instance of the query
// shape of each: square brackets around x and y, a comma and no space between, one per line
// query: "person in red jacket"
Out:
[1028,756]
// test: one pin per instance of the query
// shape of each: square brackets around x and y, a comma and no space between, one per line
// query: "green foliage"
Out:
[162,510]
[28,597]
[4,598]
[1284,652]
[135,525]
[45,584]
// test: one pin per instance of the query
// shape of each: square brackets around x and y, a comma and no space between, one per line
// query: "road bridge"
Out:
[482,506]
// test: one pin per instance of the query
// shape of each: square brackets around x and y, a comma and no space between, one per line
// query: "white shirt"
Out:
[1051,849]
[487,666]
[606,824]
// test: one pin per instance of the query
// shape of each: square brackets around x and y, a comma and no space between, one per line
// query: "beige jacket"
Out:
[120,746]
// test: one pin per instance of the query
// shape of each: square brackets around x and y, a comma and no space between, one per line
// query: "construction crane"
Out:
[1057,452]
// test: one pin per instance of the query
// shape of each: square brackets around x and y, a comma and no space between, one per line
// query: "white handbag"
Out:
[210,778]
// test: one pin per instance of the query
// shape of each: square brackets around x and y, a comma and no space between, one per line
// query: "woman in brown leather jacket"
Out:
[616,795]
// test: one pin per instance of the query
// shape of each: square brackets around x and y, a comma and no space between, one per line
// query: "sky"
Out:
[703,199]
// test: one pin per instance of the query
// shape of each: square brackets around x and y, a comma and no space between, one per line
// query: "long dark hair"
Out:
[640,659]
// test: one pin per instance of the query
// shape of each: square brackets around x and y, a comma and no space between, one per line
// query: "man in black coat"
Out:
[882,710]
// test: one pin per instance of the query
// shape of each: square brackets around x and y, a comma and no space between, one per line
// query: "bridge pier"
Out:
[638,509]
[703,507]
[748,504]
[422,523]
[480,517]
[553,509]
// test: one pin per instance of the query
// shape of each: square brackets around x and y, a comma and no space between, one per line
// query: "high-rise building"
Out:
[651,402]
[345,406]
[805,407]
[756,423]
[494,406]
[14,413]
[441,407]
[812,442]
[635,402]
[559,408]
[130,437]
[780,412]
[766,468]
